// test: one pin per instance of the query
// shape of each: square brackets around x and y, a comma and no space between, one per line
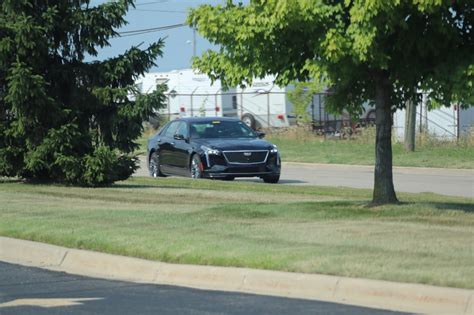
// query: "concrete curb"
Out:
[403,297]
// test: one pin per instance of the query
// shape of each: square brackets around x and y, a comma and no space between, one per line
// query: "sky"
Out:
[148,14]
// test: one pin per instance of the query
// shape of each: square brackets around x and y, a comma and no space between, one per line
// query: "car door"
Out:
[166,146]
[181,147]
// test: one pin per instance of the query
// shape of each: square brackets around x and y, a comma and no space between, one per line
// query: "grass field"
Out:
[428,153]
[428,239]
[347,152]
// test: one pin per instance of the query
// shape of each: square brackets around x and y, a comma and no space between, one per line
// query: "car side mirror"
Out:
[260,134]
[179,137]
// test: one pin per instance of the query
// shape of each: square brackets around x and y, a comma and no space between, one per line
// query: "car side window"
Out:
[171,130]
[244,129]
[182,129]
[162,131]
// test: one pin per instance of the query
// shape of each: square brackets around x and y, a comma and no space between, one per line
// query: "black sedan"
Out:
[212,147]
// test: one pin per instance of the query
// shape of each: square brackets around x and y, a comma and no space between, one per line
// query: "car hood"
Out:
[235,144]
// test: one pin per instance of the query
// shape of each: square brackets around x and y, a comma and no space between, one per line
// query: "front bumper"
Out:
[218,167]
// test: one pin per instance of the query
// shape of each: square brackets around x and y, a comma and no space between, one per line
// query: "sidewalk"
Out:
[404,297]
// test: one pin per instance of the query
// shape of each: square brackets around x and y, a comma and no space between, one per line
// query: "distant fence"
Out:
[272,109]
[259,109]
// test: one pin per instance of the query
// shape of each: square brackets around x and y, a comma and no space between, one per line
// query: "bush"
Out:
[104,167]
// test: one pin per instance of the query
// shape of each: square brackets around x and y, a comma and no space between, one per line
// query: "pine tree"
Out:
[64,119]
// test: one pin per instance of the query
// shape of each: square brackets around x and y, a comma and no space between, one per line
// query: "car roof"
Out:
[206,119]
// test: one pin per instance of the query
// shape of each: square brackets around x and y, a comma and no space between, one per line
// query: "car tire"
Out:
[195,167]
[249,120]
[271,179]
[154,165]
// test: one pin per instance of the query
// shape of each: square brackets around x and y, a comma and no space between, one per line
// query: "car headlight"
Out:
[210,151]
[274,149]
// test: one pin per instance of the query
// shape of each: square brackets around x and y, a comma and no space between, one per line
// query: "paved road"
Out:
[25,290]
[416,180]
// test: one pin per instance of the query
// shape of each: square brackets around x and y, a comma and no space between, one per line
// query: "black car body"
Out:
[212,147]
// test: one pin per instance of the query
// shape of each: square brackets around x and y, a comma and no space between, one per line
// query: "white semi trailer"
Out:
[260,105]
[264,104]
[192,94]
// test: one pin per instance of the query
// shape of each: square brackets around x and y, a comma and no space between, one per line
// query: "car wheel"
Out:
[195,169]
[249,120]
[154,165]
[271,179]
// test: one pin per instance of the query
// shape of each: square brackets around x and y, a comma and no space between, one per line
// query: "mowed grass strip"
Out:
[428,239]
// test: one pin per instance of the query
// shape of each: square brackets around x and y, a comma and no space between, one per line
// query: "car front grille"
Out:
[246,157]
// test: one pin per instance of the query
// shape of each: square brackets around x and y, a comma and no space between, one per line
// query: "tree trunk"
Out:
[384,191]
[410,125]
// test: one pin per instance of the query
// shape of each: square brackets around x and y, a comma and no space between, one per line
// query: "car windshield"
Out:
[220,129]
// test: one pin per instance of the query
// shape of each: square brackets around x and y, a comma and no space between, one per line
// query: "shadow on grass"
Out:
[439,205]
[8,180]
[282,181]
[11,180]
[465,207]
[142,186]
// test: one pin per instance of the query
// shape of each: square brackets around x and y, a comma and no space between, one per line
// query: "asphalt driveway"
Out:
[27,290]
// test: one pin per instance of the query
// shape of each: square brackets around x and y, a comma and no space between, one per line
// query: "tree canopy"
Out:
[376,50]
[301,96]
[64,119]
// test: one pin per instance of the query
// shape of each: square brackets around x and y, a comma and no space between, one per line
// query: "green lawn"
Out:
[428,239]
[352,152]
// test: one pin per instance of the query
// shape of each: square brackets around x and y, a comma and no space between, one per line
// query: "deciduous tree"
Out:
[375,50]
[301,97]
